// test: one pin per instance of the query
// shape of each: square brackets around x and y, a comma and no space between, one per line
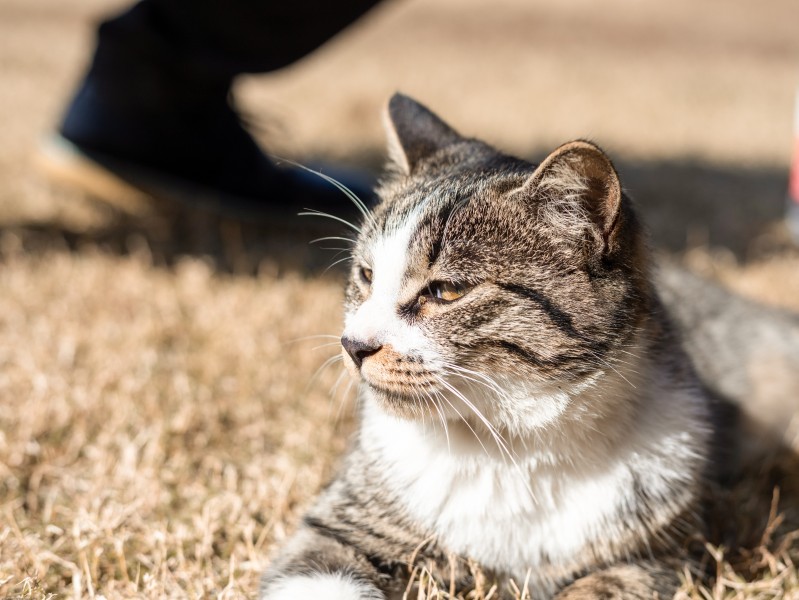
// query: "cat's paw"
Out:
[320,586]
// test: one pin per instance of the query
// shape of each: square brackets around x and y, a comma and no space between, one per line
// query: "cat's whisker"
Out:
[484,381]
[347,391]
[317,335]
[342,403]
[501,442]
[423,397]
[606,363]
[441,418]
[337,382]
[327,345]
[417,404]
[477,377]
[313,337]
[637,357]
[318,373]
[498,439]
[478,387]
[359,204]
[429,409]
[345,394]
[337,249]
[482,377]
[620,361]
[346,251]
[318,213]
[465,421]
[330,238]
[337,262]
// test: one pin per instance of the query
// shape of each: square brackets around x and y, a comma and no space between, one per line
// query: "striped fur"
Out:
[542,421]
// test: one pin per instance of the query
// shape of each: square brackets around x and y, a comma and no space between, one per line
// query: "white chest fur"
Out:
[511,517]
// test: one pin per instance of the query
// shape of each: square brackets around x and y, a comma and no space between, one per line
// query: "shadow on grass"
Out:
[688,203]
[231,246]
[683,204]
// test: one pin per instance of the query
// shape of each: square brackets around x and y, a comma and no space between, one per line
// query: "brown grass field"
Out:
[161,424]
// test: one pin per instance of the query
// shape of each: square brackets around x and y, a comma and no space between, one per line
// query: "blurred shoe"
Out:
[138,188]
[143,128]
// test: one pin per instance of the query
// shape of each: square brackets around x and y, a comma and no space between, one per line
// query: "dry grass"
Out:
[159,429]
[156,436]
[160,434]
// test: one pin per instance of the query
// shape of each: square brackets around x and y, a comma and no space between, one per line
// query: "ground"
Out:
[166,412]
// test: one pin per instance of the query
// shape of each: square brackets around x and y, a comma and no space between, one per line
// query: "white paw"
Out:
[321,586]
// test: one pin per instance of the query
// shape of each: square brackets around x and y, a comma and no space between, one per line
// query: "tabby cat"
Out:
[527,410]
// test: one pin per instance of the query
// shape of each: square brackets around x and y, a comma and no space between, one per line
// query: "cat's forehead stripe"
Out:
[406,216]
[390,252]
[400,228]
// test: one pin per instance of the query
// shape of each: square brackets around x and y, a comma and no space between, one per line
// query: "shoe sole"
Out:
[64,163]
[137,191]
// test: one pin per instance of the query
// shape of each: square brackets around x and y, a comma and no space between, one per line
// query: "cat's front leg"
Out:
[314,566]
[642,581]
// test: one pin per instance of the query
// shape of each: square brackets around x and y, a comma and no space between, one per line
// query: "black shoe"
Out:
[139,189]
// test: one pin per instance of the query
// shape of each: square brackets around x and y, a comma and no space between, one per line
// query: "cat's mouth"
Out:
[400,385]
[403,383]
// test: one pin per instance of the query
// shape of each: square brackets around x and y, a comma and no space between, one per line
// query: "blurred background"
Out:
[693,100]
[159,427]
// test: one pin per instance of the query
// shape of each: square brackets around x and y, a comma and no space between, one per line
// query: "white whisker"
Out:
[330,238]
[318,373]
[336,343]
[499,440]
[359,204]
[462,418]
[337,262]
[442,419]
[318,213]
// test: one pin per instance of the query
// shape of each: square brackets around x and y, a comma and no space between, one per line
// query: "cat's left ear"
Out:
[579,192]
[414,132]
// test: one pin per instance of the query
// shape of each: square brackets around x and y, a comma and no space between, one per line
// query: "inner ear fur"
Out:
[578,186]
[414,132]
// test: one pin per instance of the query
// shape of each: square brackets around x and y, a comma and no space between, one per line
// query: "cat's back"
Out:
[745,353]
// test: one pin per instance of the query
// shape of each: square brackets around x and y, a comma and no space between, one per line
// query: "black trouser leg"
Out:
[250,36]
[179,50]
[156,94]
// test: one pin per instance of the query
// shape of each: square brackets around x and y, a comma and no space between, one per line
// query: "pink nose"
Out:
[359,350]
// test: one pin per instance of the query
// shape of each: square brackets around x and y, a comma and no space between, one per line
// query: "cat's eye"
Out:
[366,274]
[444,291]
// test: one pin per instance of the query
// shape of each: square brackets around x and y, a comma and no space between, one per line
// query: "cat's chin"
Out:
[397,403]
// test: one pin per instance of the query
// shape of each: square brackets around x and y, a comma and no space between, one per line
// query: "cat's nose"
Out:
[358,349]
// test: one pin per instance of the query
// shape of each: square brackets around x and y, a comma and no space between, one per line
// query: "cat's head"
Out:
[483,279]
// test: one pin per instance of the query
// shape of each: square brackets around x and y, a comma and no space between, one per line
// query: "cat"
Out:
[528,410]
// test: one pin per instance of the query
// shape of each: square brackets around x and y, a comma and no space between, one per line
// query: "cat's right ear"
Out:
[414,132]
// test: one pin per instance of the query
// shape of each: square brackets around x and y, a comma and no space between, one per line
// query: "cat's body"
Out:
[528,412]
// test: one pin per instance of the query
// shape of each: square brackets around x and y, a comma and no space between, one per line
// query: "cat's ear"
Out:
[414,132]
[579,192]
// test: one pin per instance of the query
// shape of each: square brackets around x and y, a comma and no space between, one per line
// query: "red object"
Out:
[793,182]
